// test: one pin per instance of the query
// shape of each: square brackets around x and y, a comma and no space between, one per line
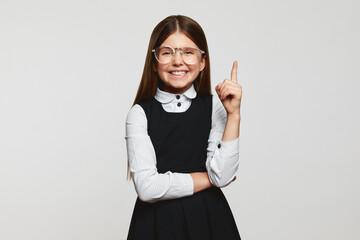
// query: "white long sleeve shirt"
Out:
[222,157]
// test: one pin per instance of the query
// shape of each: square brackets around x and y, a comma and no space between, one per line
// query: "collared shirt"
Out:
[222,157]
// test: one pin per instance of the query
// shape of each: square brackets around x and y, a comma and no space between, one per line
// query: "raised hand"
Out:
[230,92]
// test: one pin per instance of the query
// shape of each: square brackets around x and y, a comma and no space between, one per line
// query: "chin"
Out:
[177,88]
[180,86]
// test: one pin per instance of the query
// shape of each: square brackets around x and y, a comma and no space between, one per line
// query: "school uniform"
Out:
[168,137]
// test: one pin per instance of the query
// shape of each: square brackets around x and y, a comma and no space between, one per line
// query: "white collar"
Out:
[166,97]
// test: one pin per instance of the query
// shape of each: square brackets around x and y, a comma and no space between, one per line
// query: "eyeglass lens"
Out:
[189,55]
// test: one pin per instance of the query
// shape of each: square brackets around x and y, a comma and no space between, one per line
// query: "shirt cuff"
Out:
[188,183]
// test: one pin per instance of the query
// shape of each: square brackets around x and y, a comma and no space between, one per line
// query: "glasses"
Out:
[165,54]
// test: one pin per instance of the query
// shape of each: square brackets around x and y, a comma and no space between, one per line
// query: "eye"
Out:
[189,51]
[165,51]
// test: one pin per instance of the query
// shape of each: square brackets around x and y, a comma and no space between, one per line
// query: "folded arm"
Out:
[150,185]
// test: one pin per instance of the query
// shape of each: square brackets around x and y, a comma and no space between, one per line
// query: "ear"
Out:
[202,64]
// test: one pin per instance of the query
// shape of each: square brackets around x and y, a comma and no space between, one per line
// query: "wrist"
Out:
[201,181]
[234,116]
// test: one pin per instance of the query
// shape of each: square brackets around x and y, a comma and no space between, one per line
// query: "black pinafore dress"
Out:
[180,141]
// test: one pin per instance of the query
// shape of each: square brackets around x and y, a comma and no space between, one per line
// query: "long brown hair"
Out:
[149,80]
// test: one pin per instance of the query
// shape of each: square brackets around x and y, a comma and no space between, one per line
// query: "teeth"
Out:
[178,73]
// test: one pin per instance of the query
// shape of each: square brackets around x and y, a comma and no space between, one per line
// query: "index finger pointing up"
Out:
[234,72]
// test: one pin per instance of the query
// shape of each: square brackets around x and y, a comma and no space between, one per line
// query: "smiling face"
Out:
[176,75]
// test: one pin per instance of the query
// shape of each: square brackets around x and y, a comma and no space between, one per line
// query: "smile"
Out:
[178,73]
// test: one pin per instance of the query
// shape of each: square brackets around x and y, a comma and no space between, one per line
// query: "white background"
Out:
[69,71]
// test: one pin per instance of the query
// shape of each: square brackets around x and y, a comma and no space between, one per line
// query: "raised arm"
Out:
[223,149]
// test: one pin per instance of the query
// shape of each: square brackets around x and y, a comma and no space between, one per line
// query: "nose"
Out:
[177,59]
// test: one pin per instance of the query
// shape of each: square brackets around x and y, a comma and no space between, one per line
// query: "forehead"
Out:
[178,40]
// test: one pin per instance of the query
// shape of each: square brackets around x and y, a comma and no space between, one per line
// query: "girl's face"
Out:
[176,75]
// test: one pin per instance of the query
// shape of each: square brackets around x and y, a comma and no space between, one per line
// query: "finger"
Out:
[228,82]
[218,89]
[225,83]
[234,72]
[218,86]
[226,92]
[234,91]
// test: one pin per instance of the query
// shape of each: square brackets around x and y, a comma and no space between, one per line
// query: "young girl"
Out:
[182,143]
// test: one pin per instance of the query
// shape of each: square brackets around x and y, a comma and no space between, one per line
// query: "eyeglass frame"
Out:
[174,51]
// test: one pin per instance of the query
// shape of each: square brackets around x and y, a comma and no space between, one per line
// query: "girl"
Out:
[183,145]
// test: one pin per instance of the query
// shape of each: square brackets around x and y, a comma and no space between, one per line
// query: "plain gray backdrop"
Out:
[69,71]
